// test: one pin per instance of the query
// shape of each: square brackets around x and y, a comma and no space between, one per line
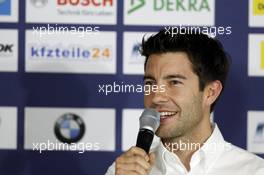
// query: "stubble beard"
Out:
[189,117]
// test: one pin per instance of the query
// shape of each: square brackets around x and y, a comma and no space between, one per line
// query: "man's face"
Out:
[181,104]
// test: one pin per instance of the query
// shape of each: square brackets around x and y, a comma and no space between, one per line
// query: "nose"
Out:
[159,98]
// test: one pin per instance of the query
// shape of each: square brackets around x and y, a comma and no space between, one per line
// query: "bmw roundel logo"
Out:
[69,128]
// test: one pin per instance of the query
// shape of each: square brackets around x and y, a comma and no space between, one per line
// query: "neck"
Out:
[190,142]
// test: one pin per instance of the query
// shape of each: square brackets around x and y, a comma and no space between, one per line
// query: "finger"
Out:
[123,172]
[152,159]
[136,151]
[134,159]
[131,173]
[132,167]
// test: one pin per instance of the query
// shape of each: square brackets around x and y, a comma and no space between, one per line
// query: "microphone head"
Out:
[149,119]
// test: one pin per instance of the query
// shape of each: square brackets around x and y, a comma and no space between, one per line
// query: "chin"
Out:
[168,133]
[163,133]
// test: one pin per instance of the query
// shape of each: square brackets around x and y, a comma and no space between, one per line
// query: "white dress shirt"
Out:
[215,157]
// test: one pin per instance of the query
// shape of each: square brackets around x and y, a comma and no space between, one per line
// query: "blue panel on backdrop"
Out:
[5,7]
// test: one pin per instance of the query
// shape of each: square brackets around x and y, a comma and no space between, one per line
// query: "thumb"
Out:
[152,159]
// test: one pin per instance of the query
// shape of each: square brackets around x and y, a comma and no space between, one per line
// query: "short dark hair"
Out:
[209,60]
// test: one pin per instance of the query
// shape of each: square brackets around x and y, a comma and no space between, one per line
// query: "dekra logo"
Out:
[171,5]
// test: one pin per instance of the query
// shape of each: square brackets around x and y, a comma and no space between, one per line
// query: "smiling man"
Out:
[193,69]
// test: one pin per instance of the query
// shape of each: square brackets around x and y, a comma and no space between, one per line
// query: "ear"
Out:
[212,91]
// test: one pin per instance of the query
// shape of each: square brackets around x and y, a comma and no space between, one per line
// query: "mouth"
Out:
[166,116]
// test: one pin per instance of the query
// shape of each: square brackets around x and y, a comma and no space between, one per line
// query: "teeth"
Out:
[164,114]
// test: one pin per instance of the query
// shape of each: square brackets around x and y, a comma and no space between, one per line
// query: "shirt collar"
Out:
[205,156]
[213,147]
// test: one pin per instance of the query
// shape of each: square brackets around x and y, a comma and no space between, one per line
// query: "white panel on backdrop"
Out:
[9,11]
[130,128]
[169,12]
[8,50]
[69,52]
[8,127]
[72,11]
[99,124]
[256,55]
[256,13]
[133,62]
[255,131]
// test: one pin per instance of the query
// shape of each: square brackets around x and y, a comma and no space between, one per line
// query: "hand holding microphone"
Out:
[137,160]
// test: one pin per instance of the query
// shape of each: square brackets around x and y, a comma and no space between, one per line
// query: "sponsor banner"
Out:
[256,55]
[72,11]
[8,10]
[133,62]
[256,13]
[67,52]
[130,128]
[8,50]
[8,127]
[169,12]
[48,127]
[255,132]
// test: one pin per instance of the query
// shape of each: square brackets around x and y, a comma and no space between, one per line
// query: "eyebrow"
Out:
[179,76]
[148,77]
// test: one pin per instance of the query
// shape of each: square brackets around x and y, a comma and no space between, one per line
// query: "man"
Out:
[193,68]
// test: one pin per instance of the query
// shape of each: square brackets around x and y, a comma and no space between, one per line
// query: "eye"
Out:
[149,82]
[175,82]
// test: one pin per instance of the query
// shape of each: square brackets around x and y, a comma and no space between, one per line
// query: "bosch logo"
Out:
[85,2]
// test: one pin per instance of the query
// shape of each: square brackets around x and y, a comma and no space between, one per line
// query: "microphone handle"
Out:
[144,139]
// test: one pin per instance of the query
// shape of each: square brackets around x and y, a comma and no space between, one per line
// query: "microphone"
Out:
[149,123]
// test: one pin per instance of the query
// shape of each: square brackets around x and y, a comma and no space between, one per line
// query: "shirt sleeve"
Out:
[111,170]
